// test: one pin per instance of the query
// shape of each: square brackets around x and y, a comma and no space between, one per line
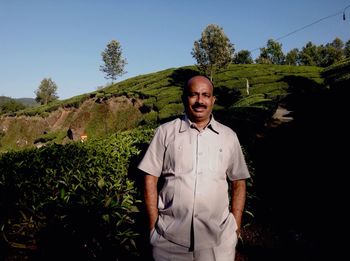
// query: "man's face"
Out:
[199,100]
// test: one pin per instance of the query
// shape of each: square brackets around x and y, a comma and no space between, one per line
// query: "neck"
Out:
[201,124]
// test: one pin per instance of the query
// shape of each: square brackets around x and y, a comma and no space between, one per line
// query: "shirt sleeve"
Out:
[237,168]
[152,162]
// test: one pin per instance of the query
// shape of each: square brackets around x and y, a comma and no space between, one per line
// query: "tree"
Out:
[47,91]
[243,57]
[332,53]
[292,57]
[347,49]
[309,54]
[213,51]
[272,53]
[11,106]
[114,62]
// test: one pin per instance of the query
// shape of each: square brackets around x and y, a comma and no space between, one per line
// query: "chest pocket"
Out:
[179,156]
[215,157]
[185,158]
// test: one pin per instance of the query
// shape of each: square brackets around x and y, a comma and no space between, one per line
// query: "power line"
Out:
[344,11]
[302,28]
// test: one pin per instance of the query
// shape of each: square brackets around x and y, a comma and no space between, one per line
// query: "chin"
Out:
[199,117]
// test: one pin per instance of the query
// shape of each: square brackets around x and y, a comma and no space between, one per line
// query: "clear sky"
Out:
[63,39]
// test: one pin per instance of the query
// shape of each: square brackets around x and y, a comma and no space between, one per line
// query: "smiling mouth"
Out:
[199,109]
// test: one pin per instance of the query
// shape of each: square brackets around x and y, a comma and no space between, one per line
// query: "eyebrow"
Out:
[189,92]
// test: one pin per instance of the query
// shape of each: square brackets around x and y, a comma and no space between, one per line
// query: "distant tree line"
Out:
[310,54]
[8,105]
[214,51]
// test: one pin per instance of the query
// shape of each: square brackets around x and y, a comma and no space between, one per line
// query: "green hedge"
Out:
[82,188]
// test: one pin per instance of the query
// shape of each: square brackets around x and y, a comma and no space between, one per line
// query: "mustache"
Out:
[198,105]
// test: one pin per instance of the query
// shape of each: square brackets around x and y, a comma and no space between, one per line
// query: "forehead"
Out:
[199,85]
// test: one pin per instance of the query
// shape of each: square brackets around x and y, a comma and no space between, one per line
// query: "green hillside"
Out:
[161,91]
[267,83]
[338,74]
[84,200]
[156,97]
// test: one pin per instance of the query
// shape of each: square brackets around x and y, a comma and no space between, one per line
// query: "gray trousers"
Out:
[164,250]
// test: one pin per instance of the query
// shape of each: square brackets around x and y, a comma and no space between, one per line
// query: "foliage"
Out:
[4,99]
[55,136]
[213,50]
[347,49]
[243,57]
[323,55]
[331,53]
[292,57]
[271,54]
[114,63]
[46,92]
[257,100]
[338,74]
[149,98]
[149,87]
[83,188]
[11,106]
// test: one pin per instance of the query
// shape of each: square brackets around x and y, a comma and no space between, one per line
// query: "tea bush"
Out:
[77,195]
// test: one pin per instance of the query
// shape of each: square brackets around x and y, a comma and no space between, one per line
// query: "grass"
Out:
[164,87]
[160,94]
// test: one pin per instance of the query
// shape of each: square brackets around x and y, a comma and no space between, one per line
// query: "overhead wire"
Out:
[302,28]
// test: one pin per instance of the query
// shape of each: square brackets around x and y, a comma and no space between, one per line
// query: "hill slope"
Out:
[24,101]
[247,94]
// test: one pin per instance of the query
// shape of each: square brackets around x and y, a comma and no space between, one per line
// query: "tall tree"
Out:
[309,54]
[213,51]
[332,53]
[114,62]
[47,91]
[272,53]
[292,57]
[243,57]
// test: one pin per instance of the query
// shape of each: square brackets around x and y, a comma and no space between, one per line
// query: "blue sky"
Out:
[64,39]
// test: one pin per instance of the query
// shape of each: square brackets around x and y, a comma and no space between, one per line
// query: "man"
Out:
[190,219]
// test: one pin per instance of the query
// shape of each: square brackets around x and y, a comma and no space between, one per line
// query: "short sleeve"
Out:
[237,167]
[152,162]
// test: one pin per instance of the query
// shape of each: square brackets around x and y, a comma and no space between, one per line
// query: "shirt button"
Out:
[200,153]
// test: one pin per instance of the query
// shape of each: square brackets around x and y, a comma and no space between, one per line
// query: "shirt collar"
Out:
[186,124]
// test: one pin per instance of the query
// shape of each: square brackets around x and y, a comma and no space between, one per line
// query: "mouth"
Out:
[199,108]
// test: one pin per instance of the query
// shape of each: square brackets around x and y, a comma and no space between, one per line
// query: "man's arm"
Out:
[238,200]
[151,199]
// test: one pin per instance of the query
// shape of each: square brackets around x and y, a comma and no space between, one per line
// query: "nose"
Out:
[200,99]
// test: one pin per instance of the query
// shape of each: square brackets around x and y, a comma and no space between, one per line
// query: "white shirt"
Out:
[195,166]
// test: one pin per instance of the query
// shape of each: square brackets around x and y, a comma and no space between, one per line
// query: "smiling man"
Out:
[191,218]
